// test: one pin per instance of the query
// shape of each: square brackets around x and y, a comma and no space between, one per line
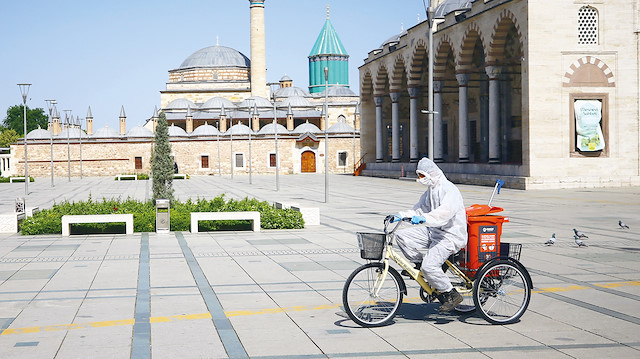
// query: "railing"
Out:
[359,166]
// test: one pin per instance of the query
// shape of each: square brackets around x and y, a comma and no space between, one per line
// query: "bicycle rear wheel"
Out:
[369,299]
[501,292]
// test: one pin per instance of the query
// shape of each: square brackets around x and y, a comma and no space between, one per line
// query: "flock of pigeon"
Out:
[579,236]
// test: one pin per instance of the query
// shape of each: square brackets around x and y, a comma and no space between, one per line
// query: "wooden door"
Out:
[308,159]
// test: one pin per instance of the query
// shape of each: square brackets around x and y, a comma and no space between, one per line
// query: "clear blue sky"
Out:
[108,54]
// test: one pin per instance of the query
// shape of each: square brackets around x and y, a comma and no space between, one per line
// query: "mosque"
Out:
[540,94]
[223,117]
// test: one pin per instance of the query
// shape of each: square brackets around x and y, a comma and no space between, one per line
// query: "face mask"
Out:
[426,180]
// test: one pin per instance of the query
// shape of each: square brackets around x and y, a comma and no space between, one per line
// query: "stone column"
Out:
[413,123]
[395,127]
[379,129]
[463,118]
[494,113]
[484,121]
[289,118]
[89,122]
[189,120]
[255,123]
[438,150]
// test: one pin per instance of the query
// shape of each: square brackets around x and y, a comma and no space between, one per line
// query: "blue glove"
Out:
[417,220]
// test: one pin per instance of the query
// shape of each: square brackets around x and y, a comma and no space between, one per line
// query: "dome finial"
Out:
[327,11]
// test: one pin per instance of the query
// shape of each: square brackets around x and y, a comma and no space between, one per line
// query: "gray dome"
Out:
[74,132]
[106,132]
[340,127]
[39,134]
[261,102]
[180,104]
[394,38]
[285,78]
[292,91]
[296,101]
[268,129]
[216,56]
[205,130]
[338,91]
[306,127]
[215,103]
[140,131]
[175,131]
[238,129]
[448,6]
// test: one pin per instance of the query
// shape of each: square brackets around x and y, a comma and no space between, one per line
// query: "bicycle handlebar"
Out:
[387,221]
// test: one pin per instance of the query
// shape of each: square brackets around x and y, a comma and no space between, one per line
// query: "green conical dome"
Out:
[328,42]
[328,52]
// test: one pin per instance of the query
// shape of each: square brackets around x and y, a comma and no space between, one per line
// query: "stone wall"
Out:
[110,158]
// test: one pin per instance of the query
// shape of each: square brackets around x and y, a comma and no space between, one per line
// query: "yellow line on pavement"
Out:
[237,313]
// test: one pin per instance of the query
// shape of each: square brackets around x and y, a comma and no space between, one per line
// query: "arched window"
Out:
[587,26]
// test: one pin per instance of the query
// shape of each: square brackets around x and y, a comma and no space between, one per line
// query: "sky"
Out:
[109,54]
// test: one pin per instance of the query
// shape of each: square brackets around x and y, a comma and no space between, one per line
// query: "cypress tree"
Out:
[161,162]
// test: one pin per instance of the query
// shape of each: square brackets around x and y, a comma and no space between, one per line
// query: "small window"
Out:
[587,26]
[272,160]
[204,161]
[342,159]
[239,163]
[138,163]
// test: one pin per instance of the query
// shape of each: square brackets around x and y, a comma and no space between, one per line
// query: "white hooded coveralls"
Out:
[445,229]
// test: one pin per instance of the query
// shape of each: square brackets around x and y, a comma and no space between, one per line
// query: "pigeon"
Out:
[579,242]
[551,240]
[622,225]
[579,234]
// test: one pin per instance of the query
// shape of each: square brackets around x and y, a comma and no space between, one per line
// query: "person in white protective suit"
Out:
[442,211]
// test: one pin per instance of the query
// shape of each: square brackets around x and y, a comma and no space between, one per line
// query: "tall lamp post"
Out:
[79,124]
[275,130]
[355,116]
[66,122]
[231,143]
[429,10]
[326,135]
[24,90]
[50,105]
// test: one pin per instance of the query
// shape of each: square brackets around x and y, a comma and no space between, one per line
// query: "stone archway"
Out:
[308,162]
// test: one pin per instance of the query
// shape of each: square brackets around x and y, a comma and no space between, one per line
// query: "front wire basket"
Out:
[511,250]
[371,245]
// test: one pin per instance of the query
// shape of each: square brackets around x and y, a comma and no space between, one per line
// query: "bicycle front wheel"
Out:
[501,292]
[371,296]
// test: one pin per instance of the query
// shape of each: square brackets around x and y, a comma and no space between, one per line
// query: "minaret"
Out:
[56,121]
[289,118]
[258,61]
[189,120]
[329,52]
[123,122]
[154,118]
[222,124]
[89,122]
[255,119]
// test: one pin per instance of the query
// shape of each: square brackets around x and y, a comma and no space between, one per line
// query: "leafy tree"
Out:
[15,119]
[161,162]
[7,137]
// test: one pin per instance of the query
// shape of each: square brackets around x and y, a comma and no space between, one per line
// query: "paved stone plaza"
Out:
[277,293]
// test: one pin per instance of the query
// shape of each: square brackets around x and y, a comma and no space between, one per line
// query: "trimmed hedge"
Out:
[7,179]
[49,221]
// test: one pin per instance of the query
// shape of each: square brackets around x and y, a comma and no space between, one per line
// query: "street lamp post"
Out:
[355,115]
[79,121]
[231,143]
[326,135]
[275,130]
[219,163]
[255,113]
[66,122]
[24,91]
[50,105]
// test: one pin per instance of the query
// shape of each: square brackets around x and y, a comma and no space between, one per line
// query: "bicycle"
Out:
[499,288]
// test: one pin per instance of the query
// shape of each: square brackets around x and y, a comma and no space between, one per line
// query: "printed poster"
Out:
[588,130]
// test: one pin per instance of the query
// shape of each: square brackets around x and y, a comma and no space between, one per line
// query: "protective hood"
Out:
[431,172]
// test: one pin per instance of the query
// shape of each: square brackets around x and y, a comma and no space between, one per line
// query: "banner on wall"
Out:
[588,129]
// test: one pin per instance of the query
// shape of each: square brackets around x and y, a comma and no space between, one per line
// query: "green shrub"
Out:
[49,221]
[7,179]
